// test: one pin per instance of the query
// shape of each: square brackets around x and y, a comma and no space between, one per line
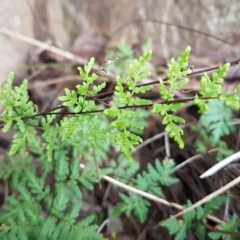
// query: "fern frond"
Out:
[60,201]
[62,165]
[123,170]
[132,204]
[88,176]
[161,174]
[214,204]
[175,227]
[217,123]
[229,226]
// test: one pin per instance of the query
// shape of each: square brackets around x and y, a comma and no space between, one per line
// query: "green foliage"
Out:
[213,89]
[36,212]
[43,164]
[213,126]
[161,173]
[23,214]
[94,127]
[126,118]
[150,182]
[217,123]
[193,220]
[22,113]
[123,170]
[132,204]
[229,226]
[17,111]
[176,69]
[175,227]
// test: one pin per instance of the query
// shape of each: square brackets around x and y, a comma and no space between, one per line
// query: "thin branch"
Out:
[124,107]
[226,210]
[232,63]
[167,146]
[191,159]
[139,192]
[50,112]
[104,223]
[209,197]
[235,62]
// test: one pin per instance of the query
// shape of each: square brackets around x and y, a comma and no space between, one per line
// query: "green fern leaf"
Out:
[75,188]
[88,176]
[175,227]
[19,142]
[123,169]
[47,228]
[214,204]
[201,231]
[188,217]
[146,183]
[62,165]
[133,203]
[162,172]
[74,213]
[216,122]
[61,200]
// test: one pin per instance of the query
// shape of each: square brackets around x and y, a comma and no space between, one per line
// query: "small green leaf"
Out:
[142,89]
[89,65]
[176,227]
[181,83]
[112,112]
[7,126]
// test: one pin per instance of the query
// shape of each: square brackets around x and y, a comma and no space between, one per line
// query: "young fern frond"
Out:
[176,69]
[121,134]
[176,227]
[17,107]
[96,132]
[213,89]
